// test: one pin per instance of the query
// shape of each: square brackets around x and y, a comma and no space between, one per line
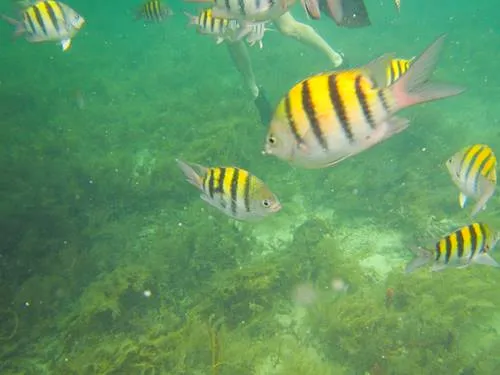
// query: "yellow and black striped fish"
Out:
[154,11]
[207,24]
[466,245]
[396,68]
[331,116]
[473,170]
[48,20]
[234,191]
[248,10]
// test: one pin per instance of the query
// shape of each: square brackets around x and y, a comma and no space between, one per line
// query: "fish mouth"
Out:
[275,207]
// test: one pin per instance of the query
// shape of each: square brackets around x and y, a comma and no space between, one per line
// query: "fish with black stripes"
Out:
[396,68]
[234,191]
[473,170]
[331,116]
[467,245]
[47,21]
[154,11]
[254,34]
[224,29]
[247,10]
[207,24]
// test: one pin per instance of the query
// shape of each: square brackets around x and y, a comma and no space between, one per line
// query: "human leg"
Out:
[289,26]
[241,59]
[239,54]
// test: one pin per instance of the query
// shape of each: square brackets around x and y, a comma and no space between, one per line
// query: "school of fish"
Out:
[321,121]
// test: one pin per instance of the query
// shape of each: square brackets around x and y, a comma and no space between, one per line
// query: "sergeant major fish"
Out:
[234,191]
[207,24]
[46,21]
[473,170]
[331,116]
[255,34]
[469,244]
[154,11]
[248,10]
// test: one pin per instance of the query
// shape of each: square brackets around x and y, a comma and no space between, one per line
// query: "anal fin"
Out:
[65,44]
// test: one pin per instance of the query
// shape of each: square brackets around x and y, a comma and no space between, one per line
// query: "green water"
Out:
[111,264]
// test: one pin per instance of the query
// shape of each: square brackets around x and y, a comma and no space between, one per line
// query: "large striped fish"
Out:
[473,170]
[48,21]
[469,244]
[234,191]
[331,116]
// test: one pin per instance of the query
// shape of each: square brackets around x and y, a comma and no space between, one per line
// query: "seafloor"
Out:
[111,264]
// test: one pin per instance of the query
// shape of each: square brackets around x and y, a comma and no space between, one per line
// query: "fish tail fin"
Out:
[487,188]
[190,173]
[312,8]
[18,24]
[192,20]
[422,257]
[139,14]
[414,87]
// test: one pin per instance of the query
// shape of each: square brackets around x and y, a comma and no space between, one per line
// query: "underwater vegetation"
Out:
[236,315]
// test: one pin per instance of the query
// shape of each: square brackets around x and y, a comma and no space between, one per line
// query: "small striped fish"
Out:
[256,34]
[207,24]
[473,170]
[234,191]
[466,245]
[154,11]
[396,68]
[248,10]
[331,116]
[49,20]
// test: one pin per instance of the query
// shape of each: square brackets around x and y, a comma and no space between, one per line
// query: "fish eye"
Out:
[271,139]
[266,203]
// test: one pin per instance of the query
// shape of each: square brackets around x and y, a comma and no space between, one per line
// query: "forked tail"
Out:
[414,86]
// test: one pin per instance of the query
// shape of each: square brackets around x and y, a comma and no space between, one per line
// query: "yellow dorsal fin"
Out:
[377,69]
